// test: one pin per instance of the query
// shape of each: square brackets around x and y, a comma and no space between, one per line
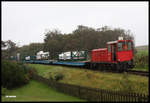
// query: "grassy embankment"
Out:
[36,91]
[102,80]
[141,58]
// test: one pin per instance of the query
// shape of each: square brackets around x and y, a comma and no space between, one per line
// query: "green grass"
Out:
[141,68]
[36,91]
[142,51]
[143,47]
[94,79]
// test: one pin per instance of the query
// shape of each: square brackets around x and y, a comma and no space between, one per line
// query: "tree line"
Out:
[82,38]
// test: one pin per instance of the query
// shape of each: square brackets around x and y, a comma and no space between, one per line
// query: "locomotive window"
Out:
[109,48]
[125,46]
[129,46]
[120,46]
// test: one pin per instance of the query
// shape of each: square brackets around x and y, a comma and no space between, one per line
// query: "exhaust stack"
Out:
[120,38]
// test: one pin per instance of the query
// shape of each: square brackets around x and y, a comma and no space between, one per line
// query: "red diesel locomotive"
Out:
[118,55]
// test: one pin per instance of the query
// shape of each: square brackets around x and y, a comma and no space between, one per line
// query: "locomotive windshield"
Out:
[109,48]
[129,46]
[123,46]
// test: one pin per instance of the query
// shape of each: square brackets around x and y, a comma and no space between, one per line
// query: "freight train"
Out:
[117,56]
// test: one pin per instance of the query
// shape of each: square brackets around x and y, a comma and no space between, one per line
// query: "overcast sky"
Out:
[26,22]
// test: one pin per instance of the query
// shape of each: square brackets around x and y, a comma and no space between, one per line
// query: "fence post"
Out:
[146,98]
[139,97]
[79,91]
[134,97]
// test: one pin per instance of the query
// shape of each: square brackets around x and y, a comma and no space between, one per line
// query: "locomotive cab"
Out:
[125,50]
[121,51]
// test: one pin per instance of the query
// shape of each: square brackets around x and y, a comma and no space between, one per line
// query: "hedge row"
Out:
[14,74]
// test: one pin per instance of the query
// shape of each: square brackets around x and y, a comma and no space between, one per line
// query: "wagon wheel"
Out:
[91,66]
[99,67]
[102,68]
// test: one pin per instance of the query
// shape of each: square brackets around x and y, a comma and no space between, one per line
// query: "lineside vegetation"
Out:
[94,79]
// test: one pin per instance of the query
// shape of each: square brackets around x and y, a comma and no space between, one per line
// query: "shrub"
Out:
[4,91]
[30,72]
[56,77]
[59,76]
[20,63]
[27,78]
[13,74]
[24,66]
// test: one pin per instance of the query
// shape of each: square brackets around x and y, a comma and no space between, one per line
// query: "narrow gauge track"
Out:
[142,73]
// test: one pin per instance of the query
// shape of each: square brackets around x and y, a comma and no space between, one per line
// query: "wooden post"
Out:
[79,91]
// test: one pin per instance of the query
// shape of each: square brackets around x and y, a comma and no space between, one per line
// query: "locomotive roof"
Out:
[113,42]
[99,49]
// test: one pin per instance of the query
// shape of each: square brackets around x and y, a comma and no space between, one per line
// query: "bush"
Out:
[20,63]
[59,77]
[56,77]
[30,72]
[13,74]
[24,66]
[27,78]
[4,91]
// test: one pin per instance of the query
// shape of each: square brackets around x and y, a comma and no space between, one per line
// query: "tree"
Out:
[3,44]
[53,42]
[11,46]
[10,49]
[31,49]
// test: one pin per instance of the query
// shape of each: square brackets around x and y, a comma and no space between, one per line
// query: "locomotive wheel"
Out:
[94,66]
[102,67]
[119,67]
[91,66]
[113,67]
[123,67]
[99,67]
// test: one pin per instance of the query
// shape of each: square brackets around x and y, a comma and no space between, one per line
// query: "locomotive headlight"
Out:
[118,59]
